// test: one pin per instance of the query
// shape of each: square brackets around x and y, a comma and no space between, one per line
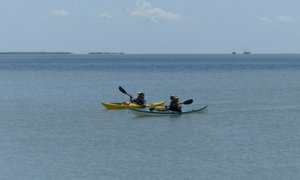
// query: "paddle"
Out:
[124,92]
[189,101]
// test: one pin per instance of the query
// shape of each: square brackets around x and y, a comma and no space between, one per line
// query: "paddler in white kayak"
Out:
[174,104]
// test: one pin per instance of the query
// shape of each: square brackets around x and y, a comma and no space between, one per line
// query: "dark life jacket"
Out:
[139,101]
[174,106]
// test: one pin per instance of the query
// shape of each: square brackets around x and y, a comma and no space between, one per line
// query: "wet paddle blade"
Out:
[189,101]
[122,90]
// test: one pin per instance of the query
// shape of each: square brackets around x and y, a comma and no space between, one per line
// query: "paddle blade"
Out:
[189,101]
[122,90]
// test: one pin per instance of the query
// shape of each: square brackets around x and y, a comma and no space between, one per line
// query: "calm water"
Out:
[54,127]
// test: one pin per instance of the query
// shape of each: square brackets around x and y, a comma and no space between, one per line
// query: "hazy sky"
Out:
[150,26]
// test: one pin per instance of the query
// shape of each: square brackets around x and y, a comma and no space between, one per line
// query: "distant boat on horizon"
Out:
[106,53]
[246,52]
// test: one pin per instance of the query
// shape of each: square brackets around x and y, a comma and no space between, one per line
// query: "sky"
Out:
[150,26]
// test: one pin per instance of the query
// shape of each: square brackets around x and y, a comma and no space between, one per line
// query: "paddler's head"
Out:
[173,98]
[141,94]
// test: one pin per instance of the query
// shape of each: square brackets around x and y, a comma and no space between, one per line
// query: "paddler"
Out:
[174,104]
[140,100]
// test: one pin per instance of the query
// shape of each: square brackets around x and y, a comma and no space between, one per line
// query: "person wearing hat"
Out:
[140,100]
[174,104]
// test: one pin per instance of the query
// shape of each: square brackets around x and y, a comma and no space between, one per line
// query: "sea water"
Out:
[52,125]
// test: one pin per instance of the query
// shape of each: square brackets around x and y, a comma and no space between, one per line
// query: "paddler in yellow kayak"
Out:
[140,100]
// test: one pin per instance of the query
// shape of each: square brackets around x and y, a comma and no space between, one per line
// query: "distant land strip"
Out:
[59,53]
[36,53]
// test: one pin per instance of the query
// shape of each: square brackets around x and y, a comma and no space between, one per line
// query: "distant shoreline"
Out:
[36,53]
[59,53]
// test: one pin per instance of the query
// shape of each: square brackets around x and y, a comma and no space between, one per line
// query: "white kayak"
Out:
[144,112]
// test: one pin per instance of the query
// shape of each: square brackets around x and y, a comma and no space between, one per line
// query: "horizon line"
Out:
[123,53]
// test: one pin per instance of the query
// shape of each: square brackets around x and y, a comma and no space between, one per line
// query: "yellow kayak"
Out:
[125,105]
